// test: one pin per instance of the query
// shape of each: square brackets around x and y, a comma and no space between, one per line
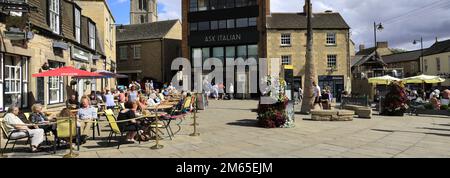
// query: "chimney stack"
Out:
[383,44]
[362,47]
[437,39]
[305,8]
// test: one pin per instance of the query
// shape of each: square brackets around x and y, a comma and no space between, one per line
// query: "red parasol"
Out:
[67,71]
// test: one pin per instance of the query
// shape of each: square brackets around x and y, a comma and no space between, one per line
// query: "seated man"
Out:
[72,102]
[14,123]
[86,114]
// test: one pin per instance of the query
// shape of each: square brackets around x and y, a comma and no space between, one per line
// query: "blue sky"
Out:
[121,10]
[403,20]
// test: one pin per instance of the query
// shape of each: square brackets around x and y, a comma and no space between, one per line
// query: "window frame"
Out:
[286,39]
[54,11]
[330,63]
[438,64]
[92,30]
[123,55]
[331,39]
[77,24]
[137,55]
[288,58]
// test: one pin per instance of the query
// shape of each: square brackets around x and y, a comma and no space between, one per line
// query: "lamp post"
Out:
[421,54]
[376,27]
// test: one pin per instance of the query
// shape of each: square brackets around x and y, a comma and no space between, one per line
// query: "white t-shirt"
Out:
[11,120]
[317,91]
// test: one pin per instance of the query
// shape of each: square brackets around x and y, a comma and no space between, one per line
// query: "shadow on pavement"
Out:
[245,123]
[428,133]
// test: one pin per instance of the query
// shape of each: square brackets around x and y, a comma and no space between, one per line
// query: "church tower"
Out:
[143,11]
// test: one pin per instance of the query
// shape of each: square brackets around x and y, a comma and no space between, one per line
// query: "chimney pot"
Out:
[383,44]
[362,47]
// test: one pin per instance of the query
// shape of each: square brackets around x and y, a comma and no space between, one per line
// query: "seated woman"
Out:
[142,104]
[435,102]
[131,127]
[37,117]
[325,99]
[14,123]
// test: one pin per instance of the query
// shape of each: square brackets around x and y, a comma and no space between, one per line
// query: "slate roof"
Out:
[298,21]
[403,57]
[439,47]
[155,30]
[366,51]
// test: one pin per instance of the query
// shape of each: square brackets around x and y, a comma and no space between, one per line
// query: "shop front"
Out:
[334,83]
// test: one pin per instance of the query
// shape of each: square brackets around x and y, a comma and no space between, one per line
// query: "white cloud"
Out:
[360,15]
[172,9]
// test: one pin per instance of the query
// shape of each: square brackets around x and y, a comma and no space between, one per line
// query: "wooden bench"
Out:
[361,111]
[332,115]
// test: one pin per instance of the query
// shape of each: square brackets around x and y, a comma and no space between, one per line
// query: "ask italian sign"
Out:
[207,38]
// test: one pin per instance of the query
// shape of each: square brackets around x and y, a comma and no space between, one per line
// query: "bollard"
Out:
[1,136]
[157,146]
[195,124]
[71,154]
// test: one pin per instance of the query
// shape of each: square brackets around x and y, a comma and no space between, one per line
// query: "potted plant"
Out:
[274,115]
[395,102]
[83,67]
[87,82]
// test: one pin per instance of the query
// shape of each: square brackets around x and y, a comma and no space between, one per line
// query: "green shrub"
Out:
[444,107]
[429,106]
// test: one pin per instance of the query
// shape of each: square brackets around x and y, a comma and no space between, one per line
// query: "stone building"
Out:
[286,40]
[146,51]
[436,61]
[408,61]
[57,35]
[100,13]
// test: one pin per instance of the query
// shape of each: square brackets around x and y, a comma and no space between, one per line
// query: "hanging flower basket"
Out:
[87,82]
[73,82]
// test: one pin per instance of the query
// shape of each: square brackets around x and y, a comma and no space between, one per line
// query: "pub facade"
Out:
[43,35]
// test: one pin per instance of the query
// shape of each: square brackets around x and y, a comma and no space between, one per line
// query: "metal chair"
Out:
[9,138]
[115,130]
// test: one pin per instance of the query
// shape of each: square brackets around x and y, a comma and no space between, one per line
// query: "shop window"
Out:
[203,26]
[193,6]
[223,24]
[253,51]
[230,23]
[252,22]
[202,5]
[242,22]
[242,51]
[214,25]
[193,26]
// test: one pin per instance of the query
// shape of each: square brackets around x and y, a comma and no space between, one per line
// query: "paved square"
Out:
[228,130]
